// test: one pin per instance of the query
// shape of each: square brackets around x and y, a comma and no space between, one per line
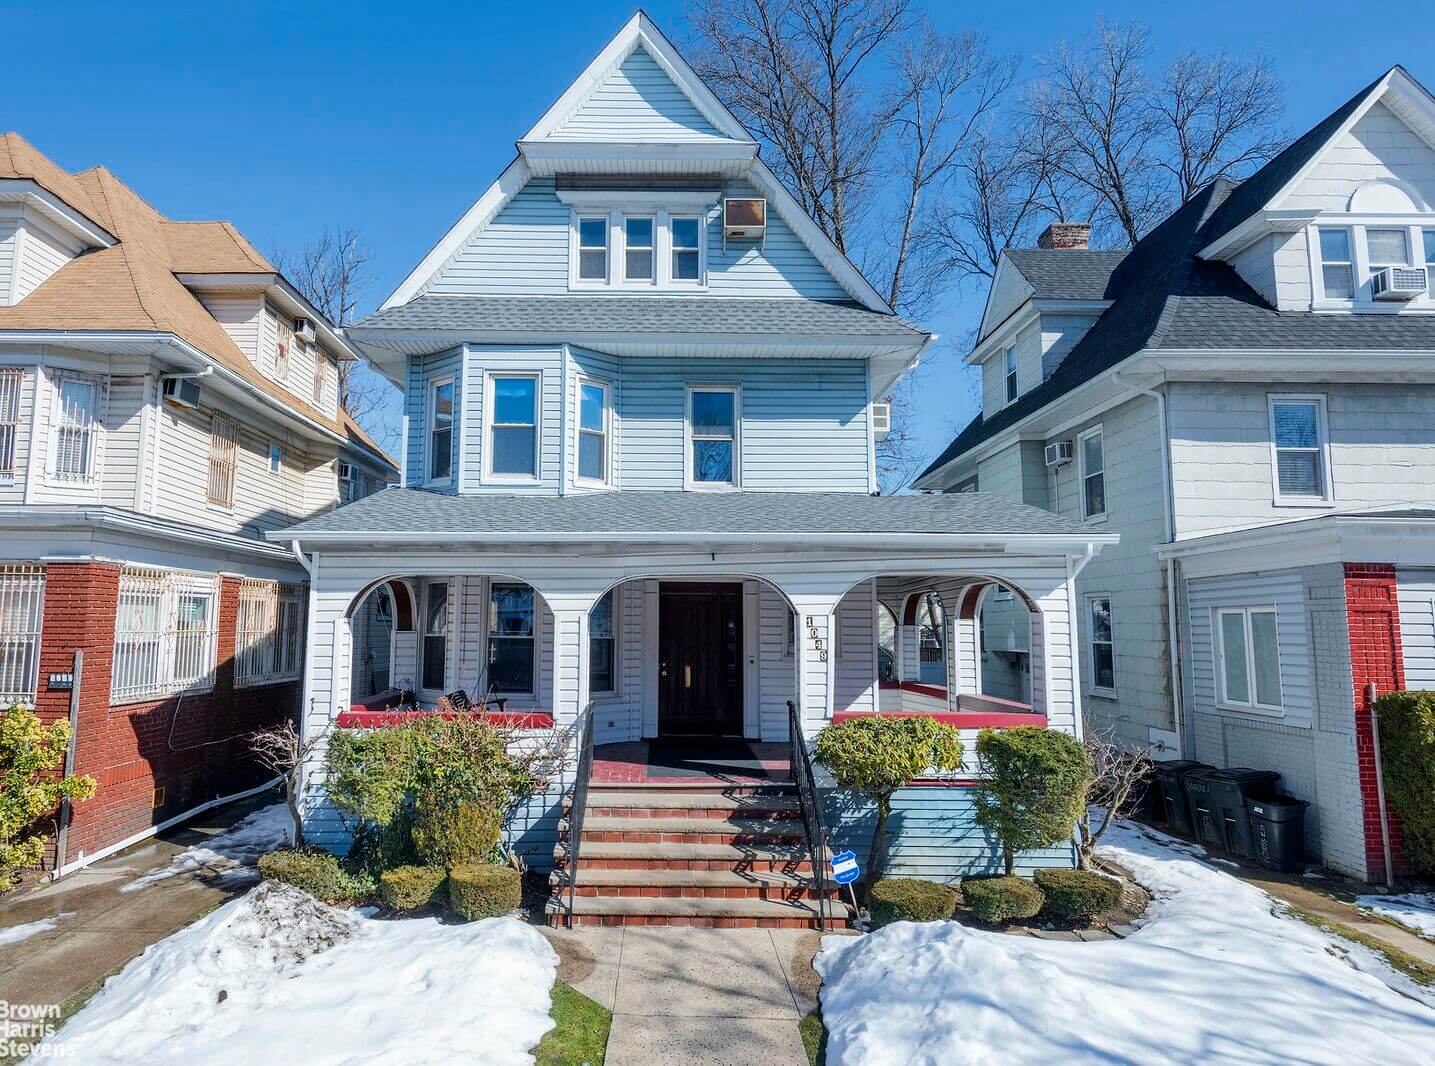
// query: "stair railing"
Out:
[813,828]
[578,806]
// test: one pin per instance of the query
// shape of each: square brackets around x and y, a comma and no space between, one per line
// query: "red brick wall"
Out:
[1373,616]
[193,748]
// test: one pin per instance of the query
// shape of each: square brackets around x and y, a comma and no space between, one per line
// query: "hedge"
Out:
[409,888]
[318,873]
[909,899]
[484,890]
[1001,899]
[458,835]
[1077,893]
[1407,755]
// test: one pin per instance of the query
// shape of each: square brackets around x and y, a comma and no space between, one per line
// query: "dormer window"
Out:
[593,249]
[1349,264]
[1337,268]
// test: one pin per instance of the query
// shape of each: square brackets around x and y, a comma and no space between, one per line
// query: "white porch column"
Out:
[570,656]
[816,616]
[964,665]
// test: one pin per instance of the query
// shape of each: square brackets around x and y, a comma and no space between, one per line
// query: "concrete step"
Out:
[690,805]
[691,884]
[667,829]
[719,913]
[784,857]
[697,785]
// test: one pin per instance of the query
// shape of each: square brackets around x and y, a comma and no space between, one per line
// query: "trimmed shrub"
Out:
[1407,755]
[318,873]
[376,848]
[30,789]
[408,888]
[910,899]
[1001,899]
[1077,893]
[460,835]
[484,890]
[1036,782]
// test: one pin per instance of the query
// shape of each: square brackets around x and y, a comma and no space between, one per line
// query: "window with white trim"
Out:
[269,633]
[1011,384]
[1337,264]
[11,379]
[1298,445]
[593,421]
[22,605]
[1248,667]
[164,634]
[276,459]
[1101,643]
[75,438]
[593,248]
[1093,473]
[1427,238]
[602,646]
[1386,247]
[511,648]
[440,426]
[713,459]
[318,378]
[435,635]
[223,460]
[687,250]
[639,261]
[512,413]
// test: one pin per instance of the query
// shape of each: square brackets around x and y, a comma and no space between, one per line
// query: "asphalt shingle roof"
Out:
[408,511]
[539,315]
[1067,273]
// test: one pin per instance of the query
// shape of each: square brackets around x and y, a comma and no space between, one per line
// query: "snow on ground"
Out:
[227,857]
[1414,910]
[276,973]
[1214,973]
[16,933]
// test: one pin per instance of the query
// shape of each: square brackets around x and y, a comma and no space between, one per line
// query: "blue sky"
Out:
[288,117]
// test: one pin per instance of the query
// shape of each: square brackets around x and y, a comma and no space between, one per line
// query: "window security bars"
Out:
[268,633]
[76,431]
[10,381]
[223,455]
[164,634]
[22,602]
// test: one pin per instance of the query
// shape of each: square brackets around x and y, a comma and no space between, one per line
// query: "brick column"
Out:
[1373,618]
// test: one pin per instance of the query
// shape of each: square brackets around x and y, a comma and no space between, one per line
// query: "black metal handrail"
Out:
[578,806]
[813,827]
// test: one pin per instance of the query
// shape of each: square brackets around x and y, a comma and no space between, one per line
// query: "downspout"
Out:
[1173,643]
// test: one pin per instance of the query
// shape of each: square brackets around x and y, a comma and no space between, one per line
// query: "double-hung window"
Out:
[593,420]
[510,638]
[513,426]
[713,443]
[687,251]
[1249,663]
[165,626]
[1428,239]
[602,662]
[1011,389]
[1337,265]
[440,418]
[1102,644]
[593,248]
[1386,247]
[223,460]
[22,604]
[11,379]
[1298,440]
[1093,474]
[283,350]
[435,635]
[276,459]
[638,259]
[77,429]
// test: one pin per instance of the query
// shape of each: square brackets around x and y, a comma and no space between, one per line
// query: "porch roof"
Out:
[399,515]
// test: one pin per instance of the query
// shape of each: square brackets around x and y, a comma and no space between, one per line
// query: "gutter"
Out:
[33,517]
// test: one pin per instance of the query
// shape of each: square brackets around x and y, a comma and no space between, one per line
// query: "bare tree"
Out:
[283,750]
[1116,772]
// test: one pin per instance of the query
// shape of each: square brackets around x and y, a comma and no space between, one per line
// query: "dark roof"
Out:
[1067,273]
[407,511]
[1168,298]
[629,313]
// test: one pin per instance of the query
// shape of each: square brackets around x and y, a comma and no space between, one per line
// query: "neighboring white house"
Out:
[1248,398]
[639,488]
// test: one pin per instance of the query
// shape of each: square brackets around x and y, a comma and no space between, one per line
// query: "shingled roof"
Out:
[1067,273]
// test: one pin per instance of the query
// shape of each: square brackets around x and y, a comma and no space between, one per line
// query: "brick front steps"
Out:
[706,854]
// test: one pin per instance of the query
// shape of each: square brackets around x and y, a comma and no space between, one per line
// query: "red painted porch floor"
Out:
[684,761]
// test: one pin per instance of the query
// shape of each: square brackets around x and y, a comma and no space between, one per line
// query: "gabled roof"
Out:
[1067,273]
[1168,298]
[640,32]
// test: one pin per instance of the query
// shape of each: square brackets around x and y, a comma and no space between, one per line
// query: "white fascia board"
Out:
[27,193]
[1262,224]
[546,156]
[493,199]
[1359,538]
[1413,103]
[1022,316]
[1004,264]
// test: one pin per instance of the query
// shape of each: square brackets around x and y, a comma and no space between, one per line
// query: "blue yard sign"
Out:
[844,867]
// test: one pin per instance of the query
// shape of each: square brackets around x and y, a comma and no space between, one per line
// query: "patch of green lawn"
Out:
[814,1038]
[580,1036]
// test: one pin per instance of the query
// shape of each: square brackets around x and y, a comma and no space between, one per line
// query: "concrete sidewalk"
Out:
[695,996]
[100,928]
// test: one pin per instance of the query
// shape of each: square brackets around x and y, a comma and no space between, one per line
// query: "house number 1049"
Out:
[818,644]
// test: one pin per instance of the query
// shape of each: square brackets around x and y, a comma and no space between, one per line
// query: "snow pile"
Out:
[1414,910]
[227,858]
[1213,974]
[277,973]
[16,933]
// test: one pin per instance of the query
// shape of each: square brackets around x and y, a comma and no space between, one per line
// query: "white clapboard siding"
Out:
[8,244]
[1416,591]
[854,645]
[42,253]
[547,364]
[124,439]
[241,316]
[637,101]
[1379,145]
[421,372]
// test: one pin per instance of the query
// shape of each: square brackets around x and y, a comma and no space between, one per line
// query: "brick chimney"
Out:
[1065,235]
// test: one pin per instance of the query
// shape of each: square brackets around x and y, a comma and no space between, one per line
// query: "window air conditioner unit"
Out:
[1398,283]
[182,392]
[1060,453]
[881,420]
[744,219]
[304,330]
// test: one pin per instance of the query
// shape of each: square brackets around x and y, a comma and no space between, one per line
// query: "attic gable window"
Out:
[593,248]
[641,240]
[1011,383]
[638,259]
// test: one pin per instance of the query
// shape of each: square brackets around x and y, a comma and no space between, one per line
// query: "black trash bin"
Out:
[1171,809]
[1278,832]
[1217,799]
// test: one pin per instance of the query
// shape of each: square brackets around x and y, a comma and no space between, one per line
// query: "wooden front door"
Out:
[699,659]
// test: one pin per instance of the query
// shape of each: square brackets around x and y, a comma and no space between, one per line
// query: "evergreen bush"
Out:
[484,890]
[1001,899]
[410,888]
[1407,757]
[1076,894]
[910,899]
[318,873]
[1035,787]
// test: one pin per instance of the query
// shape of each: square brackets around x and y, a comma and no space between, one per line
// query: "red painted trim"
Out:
[915,686]
[361,719]
[960,719]
[884,683]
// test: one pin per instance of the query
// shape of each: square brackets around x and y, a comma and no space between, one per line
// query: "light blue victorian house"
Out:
[639,503]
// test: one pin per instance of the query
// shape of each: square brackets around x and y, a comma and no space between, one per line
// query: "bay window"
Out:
[440,427]
[713,442]
[511,644]
[638,259]
[77,427]
[1248,652]
[512,413]
[593,420]
[687,251]
[1427,238]
[22,603]
[269,633]
[593,248]
[11,378]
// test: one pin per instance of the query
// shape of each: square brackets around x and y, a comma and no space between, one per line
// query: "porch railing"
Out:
[813,828]
[578,807]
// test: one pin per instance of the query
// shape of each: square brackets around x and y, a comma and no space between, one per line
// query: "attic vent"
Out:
[881,420]
[744,219]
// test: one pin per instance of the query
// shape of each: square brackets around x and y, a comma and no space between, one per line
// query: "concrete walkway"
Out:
[695,996]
